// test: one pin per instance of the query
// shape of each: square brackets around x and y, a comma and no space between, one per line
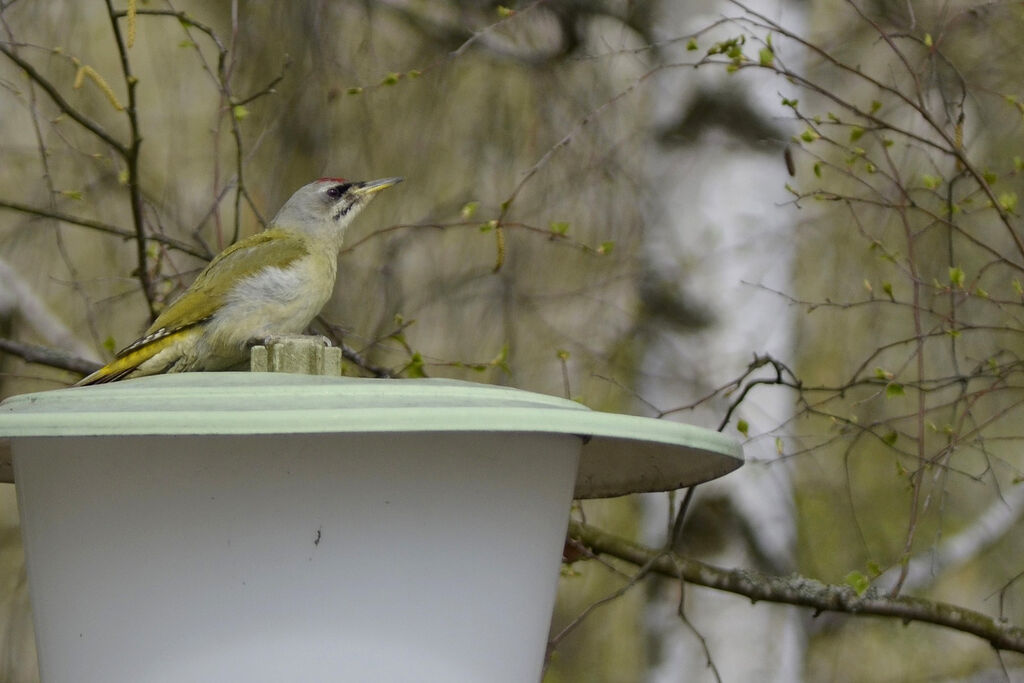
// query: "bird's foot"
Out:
[272,339]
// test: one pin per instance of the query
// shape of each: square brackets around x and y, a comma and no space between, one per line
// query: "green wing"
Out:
[200,301]
[272,247]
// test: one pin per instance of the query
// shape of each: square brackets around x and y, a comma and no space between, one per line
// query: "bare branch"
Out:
[801,591]
[63,104]
[104,227]
[950,146]
[132,159]
[184,17]
[47,356]
[335,334]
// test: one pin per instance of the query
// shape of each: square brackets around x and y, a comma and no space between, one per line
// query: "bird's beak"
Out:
[370,187]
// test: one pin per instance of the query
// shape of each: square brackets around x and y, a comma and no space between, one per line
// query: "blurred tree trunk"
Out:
[717,162]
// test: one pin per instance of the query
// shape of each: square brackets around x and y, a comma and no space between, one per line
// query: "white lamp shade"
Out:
[270,527]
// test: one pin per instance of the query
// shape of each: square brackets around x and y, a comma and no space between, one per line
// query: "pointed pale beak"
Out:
[370,187]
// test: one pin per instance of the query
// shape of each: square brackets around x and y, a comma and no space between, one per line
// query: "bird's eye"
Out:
[336,191]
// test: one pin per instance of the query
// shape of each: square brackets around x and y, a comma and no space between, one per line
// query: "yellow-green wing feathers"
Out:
[204,296]
[243,258]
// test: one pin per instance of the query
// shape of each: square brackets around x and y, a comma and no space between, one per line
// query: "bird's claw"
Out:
[272,339]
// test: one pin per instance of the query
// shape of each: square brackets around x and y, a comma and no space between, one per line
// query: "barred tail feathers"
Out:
[134,356]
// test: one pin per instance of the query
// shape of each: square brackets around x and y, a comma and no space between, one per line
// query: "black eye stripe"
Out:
[337,191]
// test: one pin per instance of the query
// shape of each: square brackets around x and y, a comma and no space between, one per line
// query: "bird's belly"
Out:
[274,302]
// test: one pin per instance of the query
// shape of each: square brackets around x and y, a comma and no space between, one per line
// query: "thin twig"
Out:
[335,334]
[618,593]
[103,227]
[44,162]
[62,104]
[950,146]
[681,612]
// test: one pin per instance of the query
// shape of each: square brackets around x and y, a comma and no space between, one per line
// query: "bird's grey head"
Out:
[326,206]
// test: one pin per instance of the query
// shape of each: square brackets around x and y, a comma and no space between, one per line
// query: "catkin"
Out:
[102,84]
[130,15]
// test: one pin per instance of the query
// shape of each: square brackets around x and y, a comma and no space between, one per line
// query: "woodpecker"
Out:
[269,284]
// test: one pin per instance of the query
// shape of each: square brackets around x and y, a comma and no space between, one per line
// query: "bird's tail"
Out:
[130,359]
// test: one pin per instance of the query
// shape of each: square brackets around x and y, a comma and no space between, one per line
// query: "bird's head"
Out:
[325,207]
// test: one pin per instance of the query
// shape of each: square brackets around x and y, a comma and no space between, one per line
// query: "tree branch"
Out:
[103,227]
[801,591]
[336,335]
[132,159]
[63,104]
[184,17]
[47,356]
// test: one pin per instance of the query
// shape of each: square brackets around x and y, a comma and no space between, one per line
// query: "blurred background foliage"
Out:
[518,251]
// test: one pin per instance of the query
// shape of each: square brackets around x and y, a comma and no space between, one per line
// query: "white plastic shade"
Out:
[303,557]
[270,527]
[622,454]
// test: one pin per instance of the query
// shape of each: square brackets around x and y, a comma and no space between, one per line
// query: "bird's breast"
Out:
[275,300]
